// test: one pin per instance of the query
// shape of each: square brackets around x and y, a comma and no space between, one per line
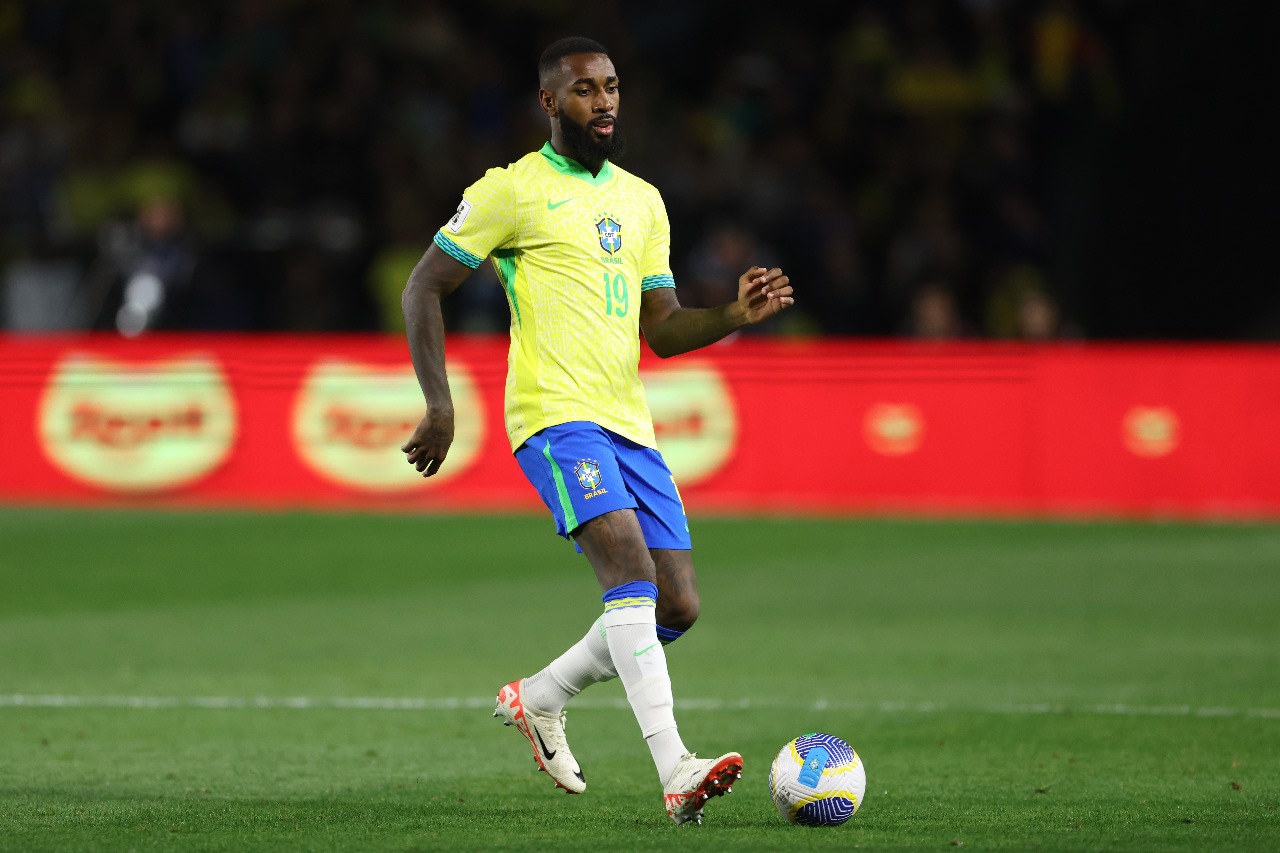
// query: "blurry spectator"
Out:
[934,313]
[867,144]
[144,275]
[1056,39]
[932,242]
[931,83]
[1020,306]
[1038,316]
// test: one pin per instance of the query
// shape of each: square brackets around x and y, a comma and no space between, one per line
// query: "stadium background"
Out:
[1080,168]
[977,200]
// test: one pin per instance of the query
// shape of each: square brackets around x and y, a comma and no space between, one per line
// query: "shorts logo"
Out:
[588,472]
[610,232]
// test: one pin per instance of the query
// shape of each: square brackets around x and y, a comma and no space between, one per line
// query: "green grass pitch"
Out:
[237,681]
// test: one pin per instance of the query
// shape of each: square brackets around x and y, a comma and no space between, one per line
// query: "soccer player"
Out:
[582,249]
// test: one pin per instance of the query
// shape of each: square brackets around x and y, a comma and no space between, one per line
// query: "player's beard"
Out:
[587,148]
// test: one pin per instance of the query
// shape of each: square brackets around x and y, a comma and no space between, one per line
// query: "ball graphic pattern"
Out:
[817,780]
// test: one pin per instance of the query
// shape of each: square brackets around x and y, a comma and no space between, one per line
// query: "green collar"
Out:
[573,168]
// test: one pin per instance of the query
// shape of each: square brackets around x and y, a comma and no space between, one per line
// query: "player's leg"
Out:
[574,470]
[644,553]
[572,467]
[615,546]
[691,781]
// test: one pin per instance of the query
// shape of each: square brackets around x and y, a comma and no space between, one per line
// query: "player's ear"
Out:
[547,100]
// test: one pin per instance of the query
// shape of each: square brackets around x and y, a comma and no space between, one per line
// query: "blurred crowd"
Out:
[920,167]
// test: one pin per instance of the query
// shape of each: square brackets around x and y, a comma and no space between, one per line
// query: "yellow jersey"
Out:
[573,251]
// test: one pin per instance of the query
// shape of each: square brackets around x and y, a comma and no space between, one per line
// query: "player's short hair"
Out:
[549,62]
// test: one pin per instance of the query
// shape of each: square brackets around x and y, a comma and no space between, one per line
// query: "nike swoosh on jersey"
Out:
[546,753]
[551,206]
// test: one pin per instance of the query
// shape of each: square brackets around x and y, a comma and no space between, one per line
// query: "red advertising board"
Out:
[751,425]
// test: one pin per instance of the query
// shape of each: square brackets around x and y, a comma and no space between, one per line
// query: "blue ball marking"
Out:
[815,761]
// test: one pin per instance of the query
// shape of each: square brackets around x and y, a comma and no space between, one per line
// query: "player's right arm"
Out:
[482,223]
[435,277]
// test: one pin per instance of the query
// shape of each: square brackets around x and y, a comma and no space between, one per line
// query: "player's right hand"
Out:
[429,444]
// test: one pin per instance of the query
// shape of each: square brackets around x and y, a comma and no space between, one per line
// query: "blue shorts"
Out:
[583,470]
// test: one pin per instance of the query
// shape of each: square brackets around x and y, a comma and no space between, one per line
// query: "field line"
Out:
[450,703]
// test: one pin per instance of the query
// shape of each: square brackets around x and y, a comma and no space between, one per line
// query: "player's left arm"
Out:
[672,329]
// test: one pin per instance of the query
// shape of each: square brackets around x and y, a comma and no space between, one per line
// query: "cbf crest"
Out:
[588,471]
[610,231]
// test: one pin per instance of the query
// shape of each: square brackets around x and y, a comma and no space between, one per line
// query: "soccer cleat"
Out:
[545,733]
[696,780]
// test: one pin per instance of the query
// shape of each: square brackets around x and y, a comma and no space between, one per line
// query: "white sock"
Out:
[641,663]
[667,749]
[585,663]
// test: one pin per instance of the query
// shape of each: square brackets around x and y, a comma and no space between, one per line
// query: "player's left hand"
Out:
[762,293]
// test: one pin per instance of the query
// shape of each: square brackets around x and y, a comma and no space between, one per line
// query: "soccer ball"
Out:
[817,780]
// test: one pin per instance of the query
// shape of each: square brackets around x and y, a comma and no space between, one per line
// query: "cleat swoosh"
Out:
[548,754]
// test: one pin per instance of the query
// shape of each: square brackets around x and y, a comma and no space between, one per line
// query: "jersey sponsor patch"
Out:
[455,224]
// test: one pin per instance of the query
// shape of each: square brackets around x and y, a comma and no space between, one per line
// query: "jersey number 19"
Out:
[615,295]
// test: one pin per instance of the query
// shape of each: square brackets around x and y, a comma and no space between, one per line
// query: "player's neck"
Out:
[592,163]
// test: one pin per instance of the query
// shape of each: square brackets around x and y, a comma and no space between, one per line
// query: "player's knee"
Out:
[678,613]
